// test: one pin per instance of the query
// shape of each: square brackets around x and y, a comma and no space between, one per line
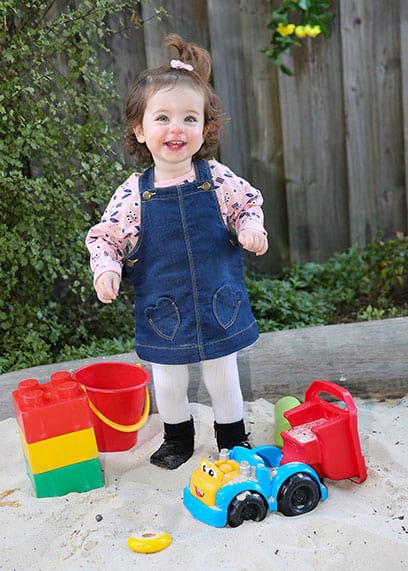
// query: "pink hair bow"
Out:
[177,64]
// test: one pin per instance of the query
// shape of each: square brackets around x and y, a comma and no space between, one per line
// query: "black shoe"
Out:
[230,435]
[178,445]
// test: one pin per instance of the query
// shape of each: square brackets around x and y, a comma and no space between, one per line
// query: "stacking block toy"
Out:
[80,477]
[57,436]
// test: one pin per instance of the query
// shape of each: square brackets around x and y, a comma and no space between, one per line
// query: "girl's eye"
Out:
[162,118]
[190,119]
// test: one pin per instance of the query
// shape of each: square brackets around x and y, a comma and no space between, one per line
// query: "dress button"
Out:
[131,263]
[205,186]
[147,195]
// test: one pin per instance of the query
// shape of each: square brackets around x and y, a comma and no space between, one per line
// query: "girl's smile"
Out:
[173,129]
[175,145]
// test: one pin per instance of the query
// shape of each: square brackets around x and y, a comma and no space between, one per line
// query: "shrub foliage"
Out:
[356,285]
[57,170]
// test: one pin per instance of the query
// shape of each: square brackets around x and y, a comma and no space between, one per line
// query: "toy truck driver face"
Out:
[210,477]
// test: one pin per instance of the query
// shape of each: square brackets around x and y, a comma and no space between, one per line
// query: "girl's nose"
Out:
[176,127]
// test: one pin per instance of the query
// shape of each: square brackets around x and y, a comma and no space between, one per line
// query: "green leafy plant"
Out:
[58,168]
[359,284]
[293,21]
[96,348]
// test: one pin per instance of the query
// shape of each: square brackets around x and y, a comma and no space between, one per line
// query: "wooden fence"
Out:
[327,146]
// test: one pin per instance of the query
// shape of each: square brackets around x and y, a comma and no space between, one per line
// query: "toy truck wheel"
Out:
[298,495]
[245,506]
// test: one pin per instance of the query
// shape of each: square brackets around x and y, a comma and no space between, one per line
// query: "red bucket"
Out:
[116,394]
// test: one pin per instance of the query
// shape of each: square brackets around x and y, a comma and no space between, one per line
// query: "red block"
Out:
[51,409]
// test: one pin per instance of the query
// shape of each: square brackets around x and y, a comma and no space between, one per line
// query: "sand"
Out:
[359,527]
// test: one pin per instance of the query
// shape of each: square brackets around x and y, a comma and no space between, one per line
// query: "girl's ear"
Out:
[138,131]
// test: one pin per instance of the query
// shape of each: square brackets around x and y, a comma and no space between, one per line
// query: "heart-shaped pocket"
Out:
[226,303]
[164,317]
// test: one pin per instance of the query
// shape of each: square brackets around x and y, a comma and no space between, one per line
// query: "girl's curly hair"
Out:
[151,81]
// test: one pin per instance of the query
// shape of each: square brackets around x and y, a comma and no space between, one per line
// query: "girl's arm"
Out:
[117,232]
[241,208]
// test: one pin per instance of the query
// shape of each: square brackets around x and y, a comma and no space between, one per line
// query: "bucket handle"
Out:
[122,427]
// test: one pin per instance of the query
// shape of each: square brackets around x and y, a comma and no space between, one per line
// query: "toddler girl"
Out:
[175,231]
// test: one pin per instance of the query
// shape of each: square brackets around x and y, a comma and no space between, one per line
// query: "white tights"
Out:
[221,379]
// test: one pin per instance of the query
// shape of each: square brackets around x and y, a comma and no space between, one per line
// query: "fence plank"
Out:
[404,91]
[264,134]
[189,19]
[314,155]
[372,86]
[125,59]
[227,51]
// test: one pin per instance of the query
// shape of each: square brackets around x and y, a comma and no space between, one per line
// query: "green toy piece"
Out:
[281,424]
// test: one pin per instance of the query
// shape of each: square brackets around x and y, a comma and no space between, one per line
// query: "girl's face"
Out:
[173,129]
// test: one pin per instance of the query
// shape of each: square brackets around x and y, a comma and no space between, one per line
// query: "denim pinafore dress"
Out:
[187,272]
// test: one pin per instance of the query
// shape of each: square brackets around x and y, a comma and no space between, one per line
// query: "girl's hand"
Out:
[253,241]
[107,286]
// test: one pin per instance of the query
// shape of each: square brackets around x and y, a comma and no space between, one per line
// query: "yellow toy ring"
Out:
[149,542]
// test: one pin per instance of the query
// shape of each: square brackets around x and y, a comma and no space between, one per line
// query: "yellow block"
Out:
[60,451]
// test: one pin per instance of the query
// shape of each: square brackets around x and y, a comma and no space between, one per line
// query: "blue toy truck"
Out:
[246,484]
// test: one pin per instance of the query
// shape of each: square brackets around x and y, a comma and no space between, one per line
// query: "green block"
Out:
[79,477]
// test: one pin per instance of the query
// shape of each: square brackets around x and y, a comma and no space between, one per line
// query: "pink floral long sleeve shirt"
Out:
[118,232]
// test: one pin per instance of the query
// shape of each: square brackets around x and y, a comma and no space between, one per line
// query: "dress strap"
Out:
[146,181]
[203,171]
